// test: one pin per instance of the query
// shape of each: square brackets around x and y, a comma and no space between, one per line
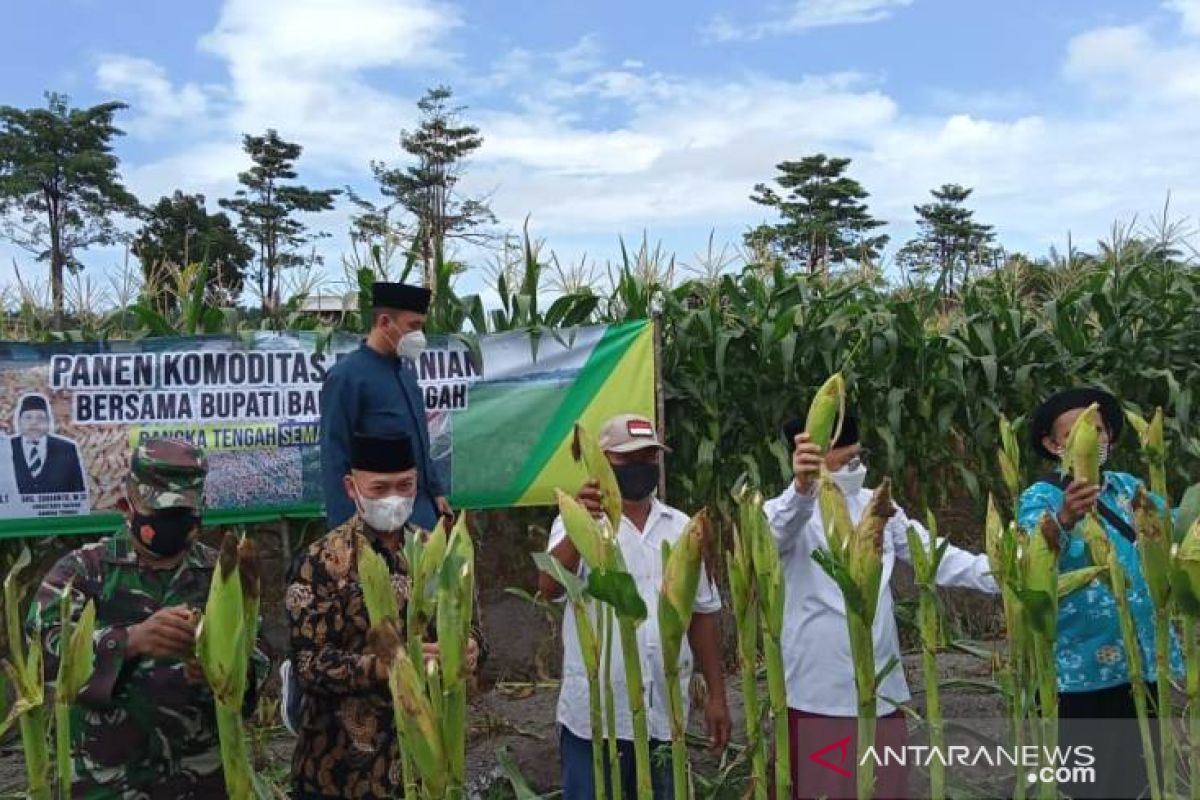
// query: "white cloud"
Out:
[1189,12]
[802,15]
[1128,63]
[156,103]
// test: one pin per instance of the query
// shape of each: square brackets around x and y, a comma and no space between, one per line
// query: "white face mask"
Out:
[387,514]
[850,478]
[411,345]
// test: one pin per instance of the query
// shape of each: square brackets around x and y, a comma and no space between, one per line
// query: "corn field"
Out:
[941,387]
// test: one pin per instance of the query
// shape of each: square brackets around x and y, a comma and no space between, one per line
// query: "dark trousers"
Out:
[1114,738]
[578,782]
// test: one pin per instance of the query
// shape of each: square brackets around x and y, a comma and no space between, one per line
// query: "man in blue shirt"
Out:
[1093,670]
[373,391]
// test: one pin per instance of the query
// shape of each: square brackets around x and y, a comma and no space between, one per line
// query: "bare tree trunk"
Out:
[56,263]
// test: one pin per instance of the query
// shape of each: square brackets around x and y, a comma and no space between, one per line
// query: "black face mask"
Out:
[165,533]
[636,481]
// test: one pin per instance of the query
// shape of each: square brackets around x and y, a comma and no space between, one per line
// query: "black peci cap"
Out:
[400,296]
[386,454]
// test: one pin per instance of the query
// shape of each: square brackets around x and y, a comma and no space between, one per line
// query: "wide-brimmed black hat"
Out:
[1042,423]
[400,296]
[387,454]
[848,435]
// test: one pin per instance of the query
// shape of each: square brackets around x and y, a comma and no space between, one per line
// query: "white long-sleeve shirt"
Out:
[816,642]
[642,551]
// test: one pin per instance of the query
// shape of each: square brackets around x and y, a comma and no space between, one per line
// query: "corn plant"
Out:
[590,643]
[677,598]
[1104,554]
[1155,533]
[76,661]
[1185,586]
[25,672]
[926,559]
[429,698]
[853,558]
[610,582]
[744,595]
[225,640]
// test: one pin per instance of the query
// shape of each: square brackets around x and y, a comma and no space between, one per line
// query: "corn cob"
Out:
[1009,458]
[76,661]
[1104,554]
[1083,446]
[417,724]
[455,596]
[224,642]
[1153,441]
[677,598]
[826,412]
[26,672]
[586,448]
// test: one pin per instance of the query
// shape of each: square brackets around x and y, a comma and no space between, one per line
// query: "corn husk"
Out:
[826,411]
[586,448]
[1083,446]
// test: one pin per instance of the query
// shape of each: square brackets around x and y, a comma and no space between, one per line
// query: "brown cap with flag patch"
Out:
[167,473]
[626,433]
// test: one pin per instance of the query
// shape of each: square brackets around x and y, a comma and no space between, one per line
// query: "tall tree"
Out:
[268,206]
[950,243]
[179,231]
[824,219]
[427,189]
[59,185]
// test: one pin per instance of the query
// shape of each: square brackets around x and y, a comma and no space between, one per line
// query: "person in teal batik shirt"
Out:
[1093,670]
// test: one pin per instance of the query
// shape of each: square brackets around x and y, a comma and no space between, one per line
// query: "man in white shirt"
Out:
[633,448]
[822,700]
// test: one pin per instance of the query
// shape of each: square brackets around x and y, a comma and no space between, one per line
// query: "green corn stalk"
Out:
[455,599]
[224,643]
[76,662]
[608,621]
[1015,671]
[25,671]
[926,559]
[854,560]
[677,598]
[1154,547]
[610,582]
[1104,554]
[589,649]
[1185,586]
[743,591]
[826,412]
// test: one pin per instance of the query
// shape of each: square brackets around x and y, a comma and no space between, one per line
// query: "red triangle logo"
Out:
[843,747]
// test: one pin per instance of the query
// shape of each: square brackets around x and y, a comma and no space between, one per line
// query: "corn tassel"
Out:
[26,671]
[76,661]
[224,642]
[854,560]
[1104,554]
[826,412]
[743,590]
[926,558]
[677,598]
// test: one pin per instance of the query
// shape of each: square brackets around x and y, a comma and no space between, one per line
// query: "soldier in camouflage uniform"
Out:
[145,724]
[347,745]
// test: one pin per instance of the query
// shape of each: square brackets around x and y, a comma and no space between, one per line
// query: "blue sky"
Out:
[608,119]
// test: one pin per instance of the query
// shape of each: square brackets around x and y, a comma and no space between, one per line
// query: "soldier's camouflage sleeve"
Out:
[73,574]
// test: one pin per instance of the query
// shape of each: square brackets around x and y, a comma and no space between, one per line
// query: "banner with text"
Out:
[499,425]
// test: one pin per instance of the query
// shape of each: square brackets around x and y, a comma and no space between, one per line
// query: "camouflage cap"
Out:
[167,473]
